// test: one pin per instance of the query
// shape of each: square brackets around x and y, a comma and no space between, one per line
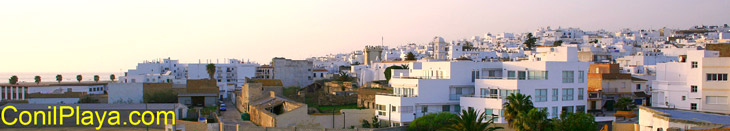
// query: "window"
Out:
[393,108]
[521,75]
[693,106]
[568,77]
[555,95]
[580,109]
[693,88]
[580,94]
[380,107]
[445,108]
[581,77]
[555,111]
[568,94]
[717,100]
[473,76]
[541,95]
[717,77]
[488,112]
[315,75]
[537,75]
[424,108]
[457,108]
[511,74]
[638,86]
[694,64]
[684,98]
[567,108]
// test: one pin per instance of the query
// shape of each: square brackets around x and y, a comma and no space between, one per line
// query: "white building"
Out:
[565,91]
[228,75]
[695,82]
[449,86]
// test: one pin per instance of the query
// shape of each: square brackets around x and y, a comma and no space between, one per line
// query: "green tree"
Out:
[211,70]
[410,56]
[112,77]
[344,77]
[530,41]
[37,79]
[558,43]
[625,104]
[59,78]
[375,123]
[79,78]
[387,72]
[13,79]
[467,46]
[575,122]
[516,104]
[533,120]
[432,122]
[96,78]
[472,120]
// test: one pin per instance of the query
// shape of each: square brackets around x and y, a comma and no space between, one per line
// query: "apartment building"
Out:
[698,81]
[427,87]
[229,75]
[450,86]
[564,93]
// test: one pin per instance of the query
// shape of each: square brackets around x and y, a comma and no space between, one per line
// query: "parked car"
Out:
[223,107]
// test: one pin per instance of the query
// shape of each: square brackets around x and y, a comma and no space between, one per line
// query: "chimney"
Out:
[272,94]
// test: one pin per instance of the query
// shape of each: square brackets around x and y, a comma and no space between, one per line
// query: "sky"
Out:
[113,36]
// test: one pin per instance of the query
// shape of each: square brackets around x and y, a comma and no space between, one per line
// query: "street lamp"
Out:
[343,119]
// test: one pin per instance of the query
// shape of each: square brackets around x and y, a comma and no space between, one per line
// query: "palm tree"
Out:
[59,78]
[13,79]
[78,78]
[37,79]
[472,120]
[211,70]
[517,104]
[96,78]
[112,77]
[410,56]
[533,120]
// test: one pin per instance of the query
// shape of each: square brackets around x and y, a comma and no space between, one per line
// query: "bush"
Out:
[432,122]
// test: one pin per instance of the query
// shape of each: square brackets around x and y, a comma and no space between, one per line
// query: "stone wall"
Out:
[366,96]
[261,117]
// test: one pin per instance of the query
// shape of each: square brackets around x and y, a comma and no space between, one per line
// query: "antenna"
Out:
[381,40]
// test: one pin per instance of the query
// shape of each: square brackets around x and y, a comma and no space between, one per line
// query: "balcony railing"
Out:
[396,95]
[422,77]
[485,96]
[455,96]
[501,78]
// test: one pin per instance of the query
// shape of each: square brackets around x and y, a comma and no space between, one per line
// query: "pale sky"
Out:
[113,36]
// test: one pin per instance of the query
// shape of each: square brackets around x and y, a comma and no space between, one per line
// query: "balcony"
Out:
[494,96]
[455,96]
[396,95]
[421,77]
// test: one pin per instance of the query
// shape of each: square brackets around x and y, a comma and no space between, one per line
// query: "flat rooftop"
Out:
[695,116]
